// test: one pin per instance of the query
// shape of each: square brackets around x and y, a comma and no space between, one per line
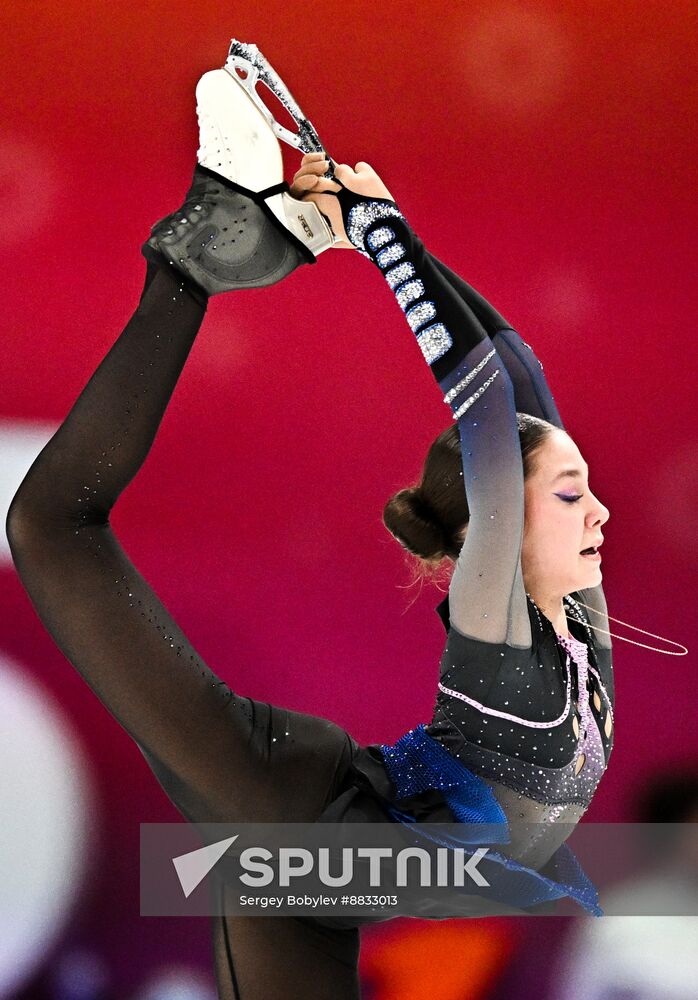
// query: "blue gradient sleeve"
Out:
[487,596]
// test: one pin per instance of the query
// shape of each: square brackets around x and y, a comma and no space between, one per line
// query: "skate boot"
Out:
[239,227]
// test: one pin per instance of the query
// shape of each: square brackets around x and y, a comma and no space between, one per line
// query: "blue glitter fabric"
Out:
[417,763]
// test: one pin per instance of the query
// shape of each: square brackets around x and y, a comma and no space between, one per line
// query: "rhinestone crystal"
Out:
[434,342]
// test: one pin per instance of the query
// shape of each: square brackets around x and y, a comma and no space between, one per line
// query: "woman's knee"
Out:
[308,757]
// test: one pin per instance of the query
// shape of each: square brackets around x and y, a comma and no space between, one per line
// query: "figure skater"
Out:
[523,724]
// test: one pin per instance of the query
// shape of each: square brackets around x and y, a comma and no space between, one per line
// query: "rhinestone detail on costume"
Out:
[362,216]
[409,292]
[379,237]
[434,342]
[517,718]
[390,254]
[420,314]
[464,382]
[591,753]
[564,784]
[476,395]
[396,275]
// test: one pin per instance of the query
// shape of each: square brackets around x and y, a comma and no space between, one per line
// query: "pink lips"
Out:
[595,557]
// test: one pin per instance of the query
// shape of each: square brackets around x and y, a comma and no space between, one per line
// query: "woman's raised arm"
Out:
[532,395]
[487,596]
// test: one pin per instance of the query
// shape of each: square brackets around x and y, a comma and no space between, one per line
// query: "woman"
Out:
[513,720]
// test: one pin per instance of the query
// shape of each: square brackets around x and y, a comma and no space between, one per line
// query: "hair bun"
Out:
[413,522]
[420,506]
[429,519]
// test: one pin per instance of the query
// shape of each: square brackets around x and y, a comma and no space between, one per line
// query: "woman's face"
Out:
[562,517]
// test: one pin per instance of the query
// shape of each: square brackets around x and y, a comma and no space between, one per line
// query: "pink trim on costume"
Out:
[516,718]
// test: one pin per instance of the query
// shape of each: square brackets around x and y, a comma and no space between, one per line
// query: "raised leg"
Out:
[218,755]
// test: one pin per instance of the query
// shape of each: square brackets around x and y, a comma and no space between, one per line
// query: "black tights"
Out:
[221,757]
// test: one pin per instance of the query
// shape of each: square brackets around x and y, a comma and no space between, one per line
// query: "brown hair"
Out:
[428,518]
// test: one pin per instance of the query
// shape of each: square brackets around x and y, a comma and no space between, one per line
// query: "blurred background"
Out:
[546,151]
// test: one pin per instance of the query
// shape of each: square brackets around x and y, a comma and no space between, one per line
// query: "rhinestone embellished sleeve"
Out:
[532,395]
[487,597]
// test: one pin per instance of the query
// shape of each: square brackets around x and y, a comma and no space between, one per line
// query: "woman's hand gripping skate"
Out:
[310,185]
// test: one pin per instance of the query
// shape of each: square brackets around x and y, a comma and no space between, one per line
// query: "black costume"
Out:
[510,707]
[223,757]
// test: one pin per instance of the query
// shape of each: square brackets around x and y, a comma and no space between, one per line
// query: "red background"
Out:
[545,151]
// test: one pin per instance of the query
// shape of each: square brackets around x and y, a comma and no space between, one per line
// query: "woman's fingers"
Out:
[317,163]
[304,182]
[313,166]
[362,180]
[309,184]
[317,167]
[347,176]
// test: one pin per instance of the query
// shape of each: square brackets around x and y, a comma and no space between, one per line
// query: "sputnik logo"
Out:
[194,866]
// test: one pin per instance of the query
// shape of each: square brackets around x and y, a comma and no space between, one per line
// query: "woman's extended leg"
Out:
[220,756]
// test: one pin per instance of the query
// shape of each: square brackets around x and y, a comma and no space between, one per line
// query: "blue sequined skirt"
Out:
[417,764]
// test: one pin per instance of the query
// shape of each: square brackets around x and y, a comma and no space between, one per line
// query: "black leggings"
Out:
[221,757]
